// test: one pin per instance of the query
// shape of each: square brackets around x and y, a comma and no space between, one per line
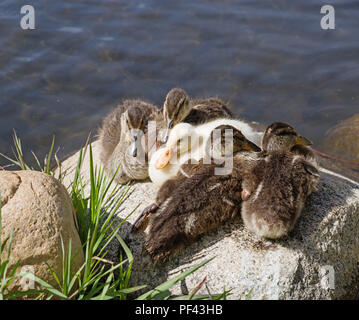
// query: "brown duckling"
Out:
[226,140]
[196,201]
[124,140]
[269,188]
[278,181]
[179,108]
[281,136]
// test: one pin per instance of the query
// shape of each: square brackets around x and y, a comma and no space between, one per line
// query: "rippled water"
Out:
[269,59]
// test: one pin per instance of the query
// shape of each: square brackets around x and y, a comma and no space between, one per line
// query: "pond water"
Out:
[269,59]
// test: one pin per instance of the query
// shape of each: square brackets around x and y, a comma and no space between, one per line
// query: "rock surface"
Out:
[343,139]
[38,208]
[318,260]
[341,144]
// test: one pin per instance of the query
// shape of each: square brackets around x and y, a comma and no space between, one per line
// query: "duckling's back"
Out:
[279,185]
[204,110]
[189,206]
[110,131]
[250,133]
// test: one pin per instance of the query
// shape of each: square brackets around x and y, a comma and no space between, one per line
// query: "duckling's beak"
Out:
[165,158]
[303,141]
[250,146]
[169,124]
[133,147]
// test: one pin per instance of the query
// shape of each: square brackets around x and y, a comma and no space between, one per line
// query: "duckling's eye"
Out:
[286,133]
[179,142]
[184,140]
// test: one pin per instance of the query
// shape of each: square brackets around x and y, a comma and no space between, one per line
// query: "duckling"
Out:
[179,108]
[277,183]
[124,140]
[194,202]
[225,141]
[269,188]
[281,136]
[228,142]
[186,142]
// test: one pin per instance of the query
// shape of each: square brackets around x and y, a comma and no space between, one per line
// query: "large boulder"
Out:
[342,140]
[318,260]
[39,211]
[341,143]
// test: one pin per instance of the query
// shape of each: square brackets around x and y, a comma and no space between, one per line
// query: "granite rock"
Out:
[317,260]
[39,211]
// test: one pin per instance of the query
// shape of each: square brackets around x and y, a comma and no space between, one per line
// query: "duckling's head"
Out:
[175,109]
[134,123]
[226,140]
[282,137]
[181,140]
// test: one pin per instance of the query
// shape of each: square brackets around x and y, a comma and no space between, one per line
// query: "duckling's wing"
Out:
[194,206]
[204,110]
[110,131]
[307,153]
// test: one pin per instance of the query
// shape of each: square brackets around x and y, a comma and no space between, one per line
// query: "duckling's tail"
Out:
[268,224]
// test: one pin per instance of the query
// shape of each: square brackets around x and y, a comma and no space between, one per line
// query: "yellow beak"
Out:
[304,141]
[250,146]
[164,159]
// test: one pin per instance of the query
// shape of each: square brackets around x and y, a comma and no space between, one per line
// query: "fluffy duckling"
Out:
[281,136]
[225,141]
[277,182]
[190,142]
[196,201]
[179,108]
[124,140]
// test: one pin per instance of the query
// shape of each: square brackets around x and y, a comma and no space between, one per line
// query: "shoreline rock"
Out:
[38,208]
[318,260]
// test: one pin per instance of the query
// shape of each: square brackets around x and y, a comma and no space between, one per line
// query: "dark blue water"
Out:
[269,59]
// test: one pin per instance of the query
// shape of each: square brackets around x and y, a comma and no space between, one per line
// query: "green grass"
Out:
[20,162]
[97,225]
[7,275]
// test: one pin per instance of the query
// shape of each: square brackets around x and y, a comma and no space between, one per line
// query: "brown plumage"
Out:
[226,140]
[124,140]
[196,201]
[269,188]
[278,182]
[192,204]
[178,107]
[281,136]
[276,189]
[223,143]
